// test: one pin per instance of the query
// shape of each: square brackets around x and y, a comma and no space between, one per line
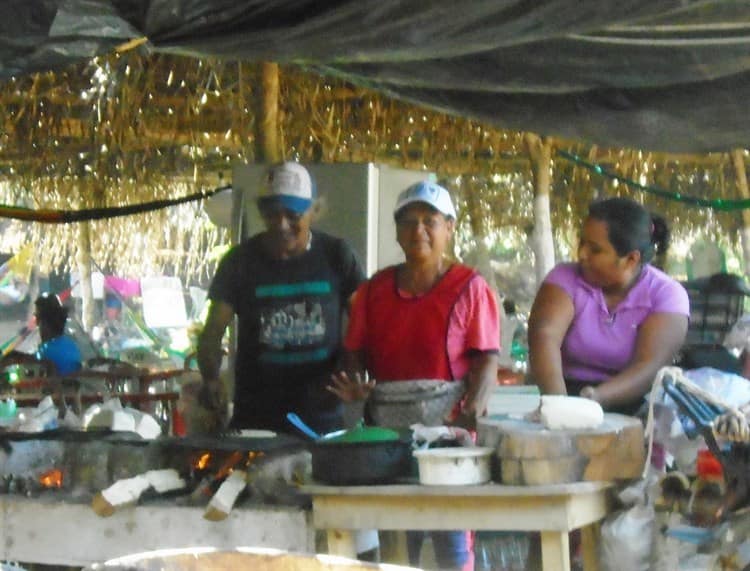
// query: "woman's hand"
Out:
[589,393]
[348,389]
[464,419]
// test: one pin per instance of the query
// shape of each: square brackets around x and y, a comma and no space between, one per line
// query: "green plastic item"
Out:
[7,408]
[362,434]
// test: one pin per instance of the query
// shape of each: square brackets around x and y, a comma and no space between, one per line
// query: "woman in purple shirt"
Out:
[602,328]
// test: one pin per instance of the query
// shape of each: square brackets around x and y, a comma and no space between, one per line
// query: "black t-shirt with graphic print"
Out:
[289,329]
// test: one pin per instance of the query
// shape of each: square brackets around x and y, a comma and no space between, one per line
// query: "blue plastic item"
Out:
[300,425]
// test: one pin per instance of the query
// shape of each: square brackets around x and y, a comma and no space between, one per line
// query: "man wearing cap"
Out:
[289,287]
[428,318]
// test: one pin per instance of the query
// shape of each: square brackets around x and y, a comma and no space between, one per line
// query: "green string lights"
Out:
[715,204]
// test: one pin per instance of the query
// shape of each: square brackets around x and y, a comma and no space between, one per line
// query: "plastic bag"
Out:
[670,423]
[424,436]
[733,389]
[627,535]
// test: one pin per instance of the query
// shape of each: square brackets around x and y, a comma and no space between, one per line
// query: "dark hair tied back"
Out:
[631,227]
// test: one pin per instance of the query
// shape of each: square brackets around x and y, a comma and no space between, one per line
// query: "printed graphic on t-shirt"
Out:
[292,325]
[293,330]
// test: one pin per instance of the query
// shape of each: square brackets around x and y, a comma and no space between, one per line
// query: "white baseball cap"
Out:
[289,185]
[429,193]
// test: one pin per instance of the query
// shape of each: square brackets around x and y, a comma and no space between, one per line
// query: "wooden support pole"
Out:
[83,261]
[738,161]
[266,97]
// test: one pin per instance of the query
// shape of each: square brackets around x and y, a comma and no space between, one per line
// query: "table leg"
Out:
[590,536]
[393,547]
[341,542]
[555,551]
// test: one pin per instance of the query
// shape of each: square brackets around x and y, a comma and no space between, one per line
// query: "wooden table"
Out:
[553,509]
[134,387]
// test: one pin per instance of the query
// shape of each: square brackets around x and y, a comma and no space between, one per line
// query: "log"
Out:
[529,454]
[223,501]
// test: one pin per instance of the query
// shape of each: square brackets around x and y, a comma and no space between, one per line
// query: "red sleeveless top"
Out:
[407,337]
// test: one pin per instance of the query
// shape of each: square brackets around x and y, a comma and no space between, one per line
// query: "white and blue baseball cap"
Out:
[428,193]
[290,186]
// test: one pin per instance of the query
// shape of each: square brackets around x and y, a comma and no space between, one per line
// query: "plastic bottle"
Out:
[500,551]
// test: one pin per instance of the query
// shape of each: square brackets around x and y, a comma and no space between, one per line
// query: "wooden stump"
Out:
[529,454]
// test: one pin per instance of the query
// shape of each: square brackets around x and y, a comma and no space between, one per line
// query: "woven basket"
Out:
[399,404]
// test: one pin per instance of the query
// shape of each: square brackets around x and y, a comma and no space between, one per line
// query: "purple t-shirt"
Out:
[598,343]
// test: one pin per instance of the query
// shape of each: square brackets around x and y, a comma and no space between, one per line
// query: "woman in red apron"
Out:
[428,318]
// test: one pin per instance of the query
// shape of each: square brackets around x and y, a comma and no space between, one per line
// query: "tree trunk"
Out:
[33,294]
[540,153]
[83,261]
[266,98]
[738,160]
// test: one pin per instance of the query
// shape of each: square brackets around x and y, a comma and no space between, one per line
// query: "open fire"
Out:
[52,479]
[80,467]
[225,483]
[204,462]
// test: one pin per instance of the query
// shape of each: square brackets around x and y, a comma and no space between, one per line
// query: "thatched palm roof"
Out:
[132,127]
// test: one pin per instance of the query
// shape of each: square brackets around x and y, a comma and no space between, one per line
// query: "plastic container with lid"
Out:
[454,466]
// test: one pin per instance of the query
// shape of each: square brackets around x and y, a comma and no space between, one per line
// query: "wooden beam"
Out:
[267,148]
[131,44]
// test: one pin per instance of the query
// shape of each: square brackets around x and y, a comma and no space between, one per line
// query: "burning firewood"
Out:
[128,491]
[210,484]
[223,501]
[51,479]
[164,481]
[122,492]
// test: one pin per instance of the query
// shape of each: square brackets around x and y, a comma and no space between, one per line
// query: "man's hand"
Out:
[350,390]
[213,395]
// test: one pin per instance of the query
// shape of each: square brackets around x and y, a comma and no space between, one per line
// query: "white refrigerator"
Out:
[356,203]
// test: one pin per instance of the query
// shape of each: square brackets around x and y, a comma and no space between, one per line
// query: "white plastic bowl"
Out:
[454,466]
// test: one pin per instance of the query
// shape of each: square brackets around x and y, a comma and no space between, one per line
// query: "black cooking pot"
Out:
[361,456]
[360,463]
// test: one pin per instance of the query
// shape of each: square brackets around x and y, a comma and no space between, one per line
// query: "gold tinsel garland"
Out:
[132,127]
